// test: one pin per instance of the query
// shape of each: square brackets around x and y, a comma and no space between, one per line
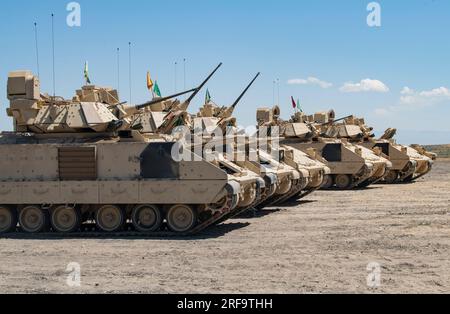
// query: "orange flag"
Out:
[149,82]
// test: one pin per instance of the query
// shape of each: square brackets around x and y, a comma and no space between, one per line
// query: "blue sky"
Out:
[396,75]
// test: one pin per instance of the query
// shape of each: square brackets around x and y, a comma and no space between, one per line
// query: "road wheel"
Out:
[343,181]
[110,218]
[146,218]
[8,219]
[327,182]
[33,219]
[181,218]
[65,219]
[391,177]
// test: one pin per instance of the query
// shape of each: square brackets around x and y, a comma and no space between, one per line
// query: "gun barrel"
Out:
[159,100]
[198,89]
[337,120]
[245,91]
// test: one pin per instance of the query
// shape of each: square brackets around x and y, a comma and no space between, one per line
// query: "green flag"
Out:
[156,89]
[207,97]
[299,106]
[86,73]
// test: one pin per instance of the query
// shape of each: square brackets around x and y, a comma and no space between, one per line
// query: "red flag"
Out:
[294,104]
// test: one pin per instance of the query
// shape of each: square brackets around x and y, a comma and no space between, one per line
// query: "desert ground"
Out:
[322,244]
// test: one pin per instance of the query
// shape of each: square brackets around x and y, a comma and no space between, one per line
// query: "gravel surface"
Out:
[321,244]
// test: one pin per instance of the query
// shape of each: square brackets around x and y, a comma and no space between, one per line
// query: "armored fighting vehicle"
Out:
[350,166]
[421,150]
[170,118]
[281,180]
[71,162]
[408,163]
[309,162]
[381,164]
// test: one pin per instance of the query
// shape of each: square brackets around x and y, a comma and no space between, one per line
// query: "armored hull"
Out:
[56,184]
[280,180]
[72,163]
[402,165]
[317,171]
[348,168]
[408,163]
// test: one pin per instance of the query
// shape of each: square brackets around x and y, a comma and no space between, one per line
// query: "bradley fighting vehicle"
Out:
[350,166]
[285,166]
[69,162]
[281,180]
[170,118]
[305,162]
[408,163]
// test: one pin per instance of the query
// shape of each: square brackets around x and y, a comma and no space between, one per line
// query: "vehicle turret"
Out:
[92,110]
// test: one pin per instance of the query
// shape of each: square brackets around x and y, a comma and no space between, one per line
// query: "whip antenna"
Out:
[37,48]
[176,74]
[53,54]
[129,65]
[184,74]
[278,87]
[273,93]
[118,70]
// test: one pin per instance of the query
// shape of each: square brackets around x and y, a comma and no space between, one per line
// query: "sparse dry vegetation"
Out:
[443,151]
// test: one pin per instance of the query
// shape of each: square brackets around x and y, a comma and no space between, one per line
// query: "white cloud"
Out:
[411,99]
[407,91]
[310,81]
[382,112]
[424,98]
[366,85]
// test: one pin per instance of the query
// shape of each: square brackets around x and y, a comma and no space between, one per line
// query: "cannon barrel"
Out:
[230,109]
[336,120]
[245,91]
[158,100]
[198,89]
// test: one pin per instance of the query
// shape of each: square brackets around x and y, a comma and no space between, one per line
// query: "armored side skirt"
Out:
[113,192]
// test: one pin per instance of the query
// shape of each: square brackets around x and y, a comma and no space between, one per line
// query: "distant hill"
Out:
[407,137]
[443,151]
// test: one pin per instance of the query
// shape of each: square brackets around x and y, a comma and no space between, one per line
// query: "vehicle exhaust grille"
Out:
[77,163]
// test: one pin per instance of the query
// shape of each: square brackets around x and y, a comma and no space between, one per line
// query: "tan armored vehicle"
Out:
[308,162]
[350,166]
[282,181]
[421,150]
[72,162]
[171,118]
[380,162]
[408,163]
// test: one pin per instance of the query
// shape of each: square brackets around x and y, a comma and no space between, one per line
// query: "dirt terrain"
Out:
[322,244]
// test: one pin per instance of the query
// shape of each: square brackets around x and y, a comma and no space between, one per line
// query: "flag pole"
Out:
[153,90]
[294,104]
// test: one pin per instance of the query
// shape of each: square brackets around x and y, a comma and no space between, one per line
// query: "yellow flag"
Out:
[149,82]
